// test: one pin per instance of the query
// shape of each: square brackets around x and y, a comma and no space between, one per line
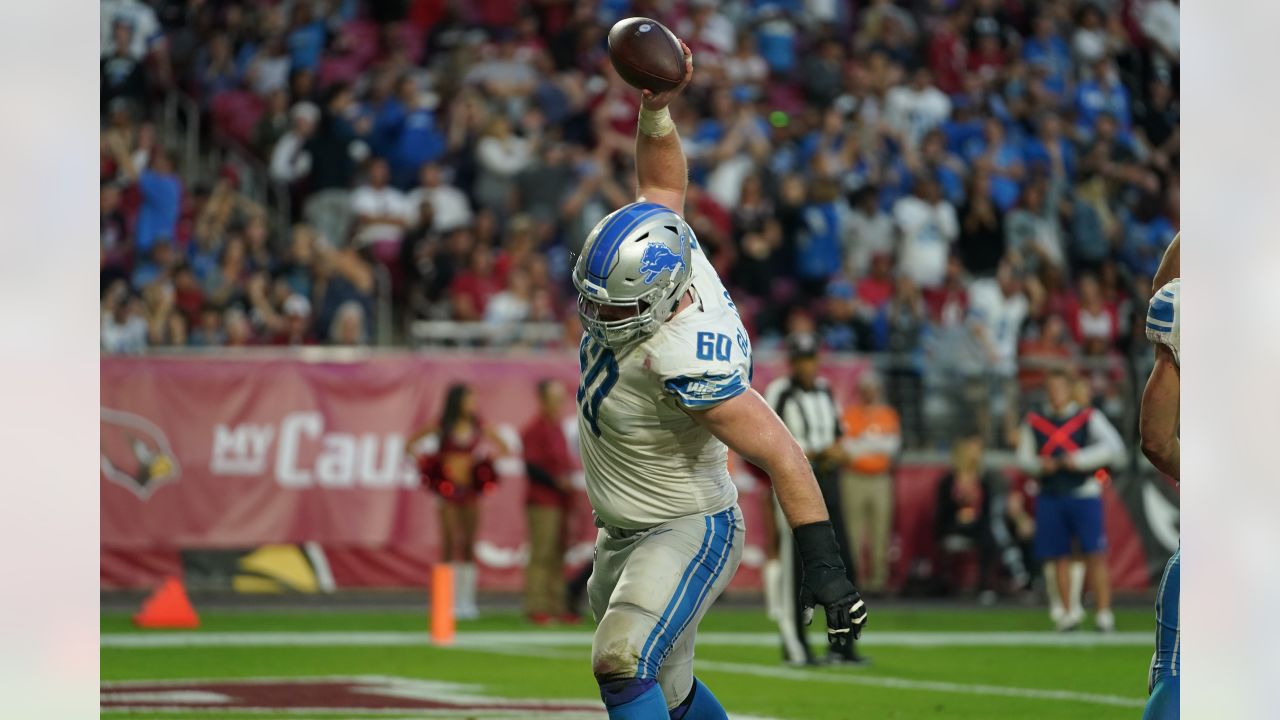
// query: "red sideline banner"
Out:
[222,456]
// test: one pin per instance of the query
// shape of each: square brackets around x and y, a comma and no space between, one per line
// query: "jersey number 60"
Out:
[714,345]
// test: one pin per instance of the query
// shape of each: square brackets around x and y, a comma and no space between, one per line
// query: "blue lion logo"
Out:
[658,258]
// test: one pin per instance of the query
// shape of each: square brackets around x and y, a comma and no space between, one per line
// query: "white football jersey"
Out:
[1163,317]
[645,459]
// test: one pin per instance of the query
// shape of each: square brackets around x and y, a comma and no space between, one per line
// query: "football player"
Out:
[1158,425]
[665,387]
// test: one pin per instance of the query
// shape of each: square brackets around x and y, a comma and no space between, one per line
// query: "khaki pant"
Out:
[544,591]
[868,513]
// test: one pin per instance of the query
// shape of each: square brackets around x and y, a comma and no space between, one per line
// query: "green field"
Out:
[931,663]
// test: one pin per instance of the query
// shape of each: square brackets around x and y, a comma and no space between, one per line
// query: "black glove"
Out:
[826,583]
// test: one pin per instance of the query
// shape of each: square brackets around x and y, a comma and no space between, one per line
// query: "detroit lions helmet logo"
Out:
[658,258]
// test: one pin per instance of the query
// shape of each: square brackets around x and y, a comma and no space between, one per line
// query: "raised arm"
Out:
[661,172]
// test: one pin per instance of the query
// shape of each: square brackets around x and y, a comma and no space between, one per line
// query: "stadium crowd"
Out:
[962,183]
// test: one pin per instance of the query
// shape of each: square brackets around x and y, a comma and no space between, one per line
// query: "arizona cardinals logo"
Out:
[135,453]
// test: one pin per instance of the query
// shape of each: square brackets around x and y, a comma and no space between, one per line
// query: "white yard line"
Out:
[927,685]
[482,640]
[854,678]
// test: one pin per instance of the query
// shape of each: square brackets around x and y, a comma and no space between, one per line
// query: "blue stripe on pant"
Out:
[1166,663]
[697,580]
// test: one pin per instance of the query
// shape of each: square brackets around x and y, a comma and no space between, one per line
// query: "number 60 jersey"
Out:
[646,460]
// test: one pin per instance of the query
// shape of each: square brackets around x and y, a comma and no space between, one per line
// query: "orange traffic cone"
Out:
[168,607]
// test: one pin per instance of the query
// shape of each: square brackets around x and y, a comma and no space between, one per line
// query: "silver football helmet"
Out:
[634,267]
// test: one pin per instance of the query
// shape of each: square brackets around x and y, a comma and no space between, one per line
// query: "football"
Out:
[646,54]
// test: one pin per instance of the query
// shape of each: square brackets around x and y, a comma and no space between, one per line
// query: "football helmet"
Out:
[633,269]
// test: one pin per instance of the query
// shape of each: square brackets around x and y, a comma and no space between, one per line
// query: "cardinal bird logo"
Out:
[135,453]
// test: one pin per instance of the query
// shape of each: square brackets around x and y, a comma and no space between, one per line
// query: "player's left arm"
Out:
[1158,417]
[750,428]
[662,174]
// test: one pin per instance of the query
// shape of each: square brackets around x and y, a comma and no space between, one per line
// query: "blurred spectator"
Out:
[473,287]
[139,17]
[1003,160]
[547,501]
[273,124]
[161,192]
[929,226]
[970,517]
[306,37]
[450,208]
[872,440]
[998,308]
[381,211]
[209,331]
[415,138]
[124,322]
[1093,320]
[501,155]
[759,236]
[115,243]
[215,70]
[907,319]
[514,303]
[1031,230]
[541,187]
[1047,49]
[869,231]
[1050,348]
[290,161]
[913,110]
[981,243]
[1102,94]
[268,70]
[349,325]
[818,244]
[332,150]
[949,54]
[122,75]
[239,332]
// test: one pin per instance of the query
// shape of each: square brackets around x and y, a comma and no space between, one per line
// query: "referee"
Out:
[804,402]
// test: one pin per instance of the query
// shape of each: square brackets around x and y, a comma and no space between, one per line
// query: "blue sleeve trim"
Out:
[1160,312]
[704,391]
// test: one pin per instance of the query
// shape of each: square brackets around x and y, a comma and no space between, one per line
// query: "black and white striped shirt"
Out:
[812,416]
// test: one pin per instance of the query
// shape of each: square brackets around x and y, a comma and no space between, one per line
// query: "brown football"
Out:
[646,54]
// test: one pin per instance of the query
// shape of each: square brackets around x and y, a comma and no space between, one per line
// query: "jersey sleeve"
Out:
[703,365]
[1163,321]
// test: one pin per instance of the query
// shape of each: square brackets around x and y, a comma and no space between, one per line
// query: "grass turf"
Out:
[941,682]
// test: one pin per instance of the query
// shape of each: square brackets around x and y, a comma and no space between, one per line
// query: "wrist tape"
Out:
[655,123]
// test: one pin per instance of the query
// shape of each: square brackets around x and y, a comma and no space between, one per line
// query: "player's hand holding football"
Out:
[657,101]
[826,583]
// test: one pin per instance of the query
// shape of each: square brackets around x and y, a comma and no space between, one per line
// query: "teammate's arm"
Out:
[1158,418]
[661,172]
[1170,265]
[750,428]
